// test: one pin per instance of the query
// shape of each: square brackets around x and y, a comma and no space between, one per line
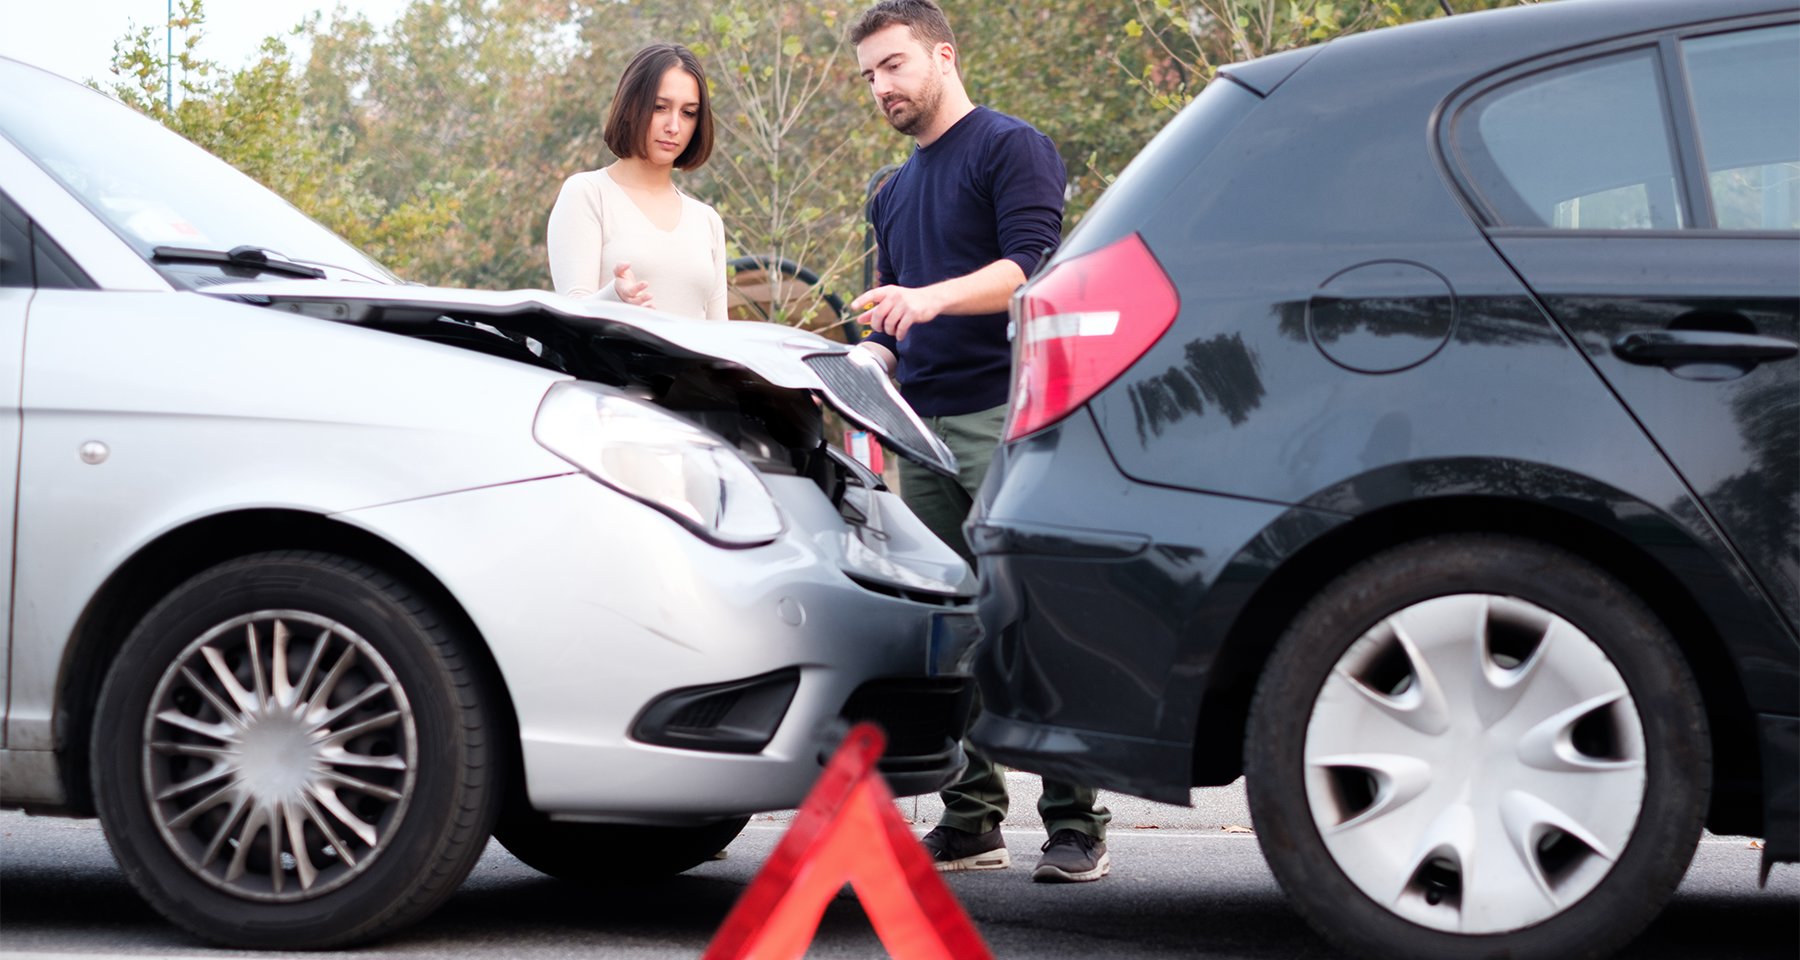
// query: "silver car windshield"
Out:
[153,188]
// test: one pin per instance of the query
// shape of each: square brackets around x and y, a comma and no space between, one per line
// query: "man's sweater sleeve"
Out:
[1028,182]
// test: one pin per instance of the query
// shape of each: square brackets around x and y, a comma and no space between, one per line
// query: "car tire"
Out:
[292,751]
[603,854]
[1477,746]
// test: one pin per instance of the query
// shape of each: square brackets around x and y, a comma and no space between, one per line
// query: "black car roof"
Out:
[1504,36]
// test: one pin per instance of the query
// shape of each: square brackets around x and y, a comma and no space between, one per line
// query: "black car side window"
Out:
[1746,91]
[1579,147]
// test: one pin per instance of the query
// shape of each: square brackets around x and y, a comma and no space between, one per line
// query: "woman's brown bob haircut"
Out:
[628,119]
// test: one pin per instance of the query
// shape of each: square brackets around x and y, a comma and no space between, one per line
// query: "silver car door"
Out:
[15,296]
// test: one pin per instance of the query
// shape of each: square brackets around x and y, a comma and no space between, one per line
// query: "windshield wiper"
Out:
[254,258]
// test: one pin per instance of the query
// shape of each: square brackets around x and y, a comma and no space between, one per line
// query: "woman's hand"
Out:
[630,289]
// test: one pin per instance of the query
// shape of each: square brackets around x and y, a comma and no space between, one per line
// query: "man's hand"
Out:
[895,310]
[630,289]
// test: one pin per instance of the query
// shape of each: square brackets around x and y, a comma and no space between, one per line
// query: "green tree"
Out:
[1189,40]
[464,105]
[255,118]
[438,144]
[797,139]
[1056,64]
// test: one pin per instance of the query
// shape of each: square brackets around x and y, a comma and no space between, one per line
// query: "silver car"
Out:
[317,579]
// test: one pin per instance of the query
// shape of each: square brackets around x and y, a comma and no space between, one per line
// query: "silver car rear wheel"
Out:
[1475,762]
[279,755]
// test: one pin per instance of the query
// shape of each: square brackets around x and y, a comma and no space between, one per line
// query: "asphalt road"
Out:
[1173,893]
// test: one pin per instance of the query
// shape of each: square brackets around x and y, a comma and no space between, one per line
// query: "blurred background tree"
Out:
[438,144]
[1189,40]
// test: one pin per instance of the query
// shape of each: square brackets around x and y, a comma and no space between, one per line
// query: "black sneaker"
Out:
[953,850]
[1071,856]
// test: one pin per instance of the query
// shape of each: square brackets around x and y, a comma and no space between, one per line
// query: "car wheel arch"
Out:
[1220,723]
[161,565]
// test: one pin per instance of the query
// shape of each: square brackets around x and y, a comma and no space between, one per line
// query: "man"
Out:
[960,226]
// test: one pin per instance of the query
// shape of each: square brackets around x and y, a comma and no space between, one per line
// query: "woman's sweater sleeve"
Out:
[715,304]
[574,238]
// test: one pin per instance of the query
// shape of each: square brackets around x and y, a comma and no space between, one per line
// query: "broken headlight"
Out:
[661,460]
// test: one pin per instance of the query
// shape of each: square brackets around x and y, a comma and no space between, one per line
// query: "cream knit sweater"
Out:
[595,226]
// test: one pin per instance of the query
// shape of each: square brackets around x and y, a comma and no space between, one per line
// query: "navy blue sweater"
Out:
[990,188]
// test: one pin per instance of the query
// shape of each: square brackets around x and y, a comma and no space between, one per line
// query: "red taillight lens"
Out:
[1081,325]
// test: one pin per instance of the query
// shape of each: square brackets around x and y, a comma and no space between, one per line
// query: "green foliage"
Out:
[798,137]
[256,119]
[1183,43]
[438,144]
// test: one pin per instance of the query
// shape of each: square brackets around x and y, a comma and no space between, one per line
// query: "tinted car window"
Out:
[1746,89]
[54,269]
[1582,147]
[15,245]
[29,258]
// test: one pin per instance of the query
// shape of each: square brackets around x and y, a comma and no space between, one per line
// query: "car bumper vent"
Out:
[740,716]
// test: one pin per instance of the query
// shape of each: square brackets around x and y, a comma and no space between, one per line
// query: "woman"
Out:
[625,232]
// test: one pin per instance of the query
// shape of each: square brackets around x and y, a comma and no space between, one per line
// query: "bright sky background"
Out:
[75,37]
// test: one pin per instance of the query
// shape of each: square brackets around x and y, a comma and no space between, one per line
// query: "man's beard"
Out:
[916,115]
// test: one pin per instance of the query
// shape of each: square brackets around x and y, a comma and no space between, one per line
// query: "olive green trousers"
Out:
[977,801]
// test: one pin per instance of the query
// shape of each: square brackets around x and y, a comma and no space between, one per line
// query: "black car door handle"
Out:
[1662,347]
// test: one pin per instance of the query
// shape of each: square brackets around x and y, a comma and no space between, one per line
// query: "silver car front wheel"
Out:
[279,755]
[294,750]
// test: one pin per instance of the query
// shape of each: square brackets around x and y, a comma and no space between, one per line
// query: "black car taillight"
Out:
[1081,325]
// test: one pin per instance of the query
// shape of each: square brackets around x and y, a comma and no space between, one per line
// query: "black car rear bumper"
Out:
[1100,639]
[1128,764]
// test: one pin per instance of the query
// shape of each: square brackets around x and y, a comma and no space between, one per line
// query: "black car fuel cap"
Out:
[1382,317]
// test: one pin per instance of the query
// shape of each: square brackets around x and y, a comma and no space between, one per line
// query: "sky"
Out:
[75,37]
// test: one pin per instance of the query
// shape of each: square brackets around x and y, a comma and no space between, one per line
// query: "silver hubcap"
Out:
[279,755]
[1475,764]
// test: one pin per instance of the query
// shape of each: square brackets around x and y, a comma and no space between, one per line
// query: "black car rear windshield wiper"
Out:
[255,258]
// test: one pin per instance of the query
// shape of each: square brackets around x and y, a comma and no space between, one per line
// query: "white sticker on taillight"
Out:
[1087,323]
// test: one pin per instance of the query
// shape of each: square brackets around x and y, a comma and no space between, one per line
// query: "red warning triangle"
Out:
[848,831]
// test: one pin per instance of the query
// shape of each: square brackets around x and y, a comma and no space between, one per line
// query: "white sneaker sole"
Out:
[1049,873]
[990,860]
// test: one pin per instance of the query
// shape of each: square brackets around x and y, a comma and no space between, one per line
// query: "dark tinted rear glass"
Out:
[1746,89]
[1582,147]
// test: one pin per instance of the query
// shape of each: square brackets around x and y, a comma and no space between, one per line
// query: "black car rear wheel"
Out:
[600,854]
[291,752]
[1478,746]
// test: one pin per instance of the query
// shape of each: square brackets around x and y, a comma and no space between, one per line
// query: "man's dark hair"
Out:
[926,20]
[634,103]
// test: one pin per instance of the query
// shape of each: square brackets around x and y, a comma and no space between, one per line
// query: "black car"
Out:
[1414,428]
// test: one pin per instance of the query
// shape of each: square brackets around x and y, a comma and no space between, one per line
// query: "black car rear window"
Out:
[1582,147]
[1746,91]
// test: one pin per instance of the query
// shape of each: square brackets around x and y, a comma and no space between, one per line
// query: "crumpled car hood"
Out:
[853,383]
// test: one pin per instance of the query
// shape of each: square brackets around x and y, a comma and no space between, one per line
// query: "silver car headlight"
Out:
[660,460]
